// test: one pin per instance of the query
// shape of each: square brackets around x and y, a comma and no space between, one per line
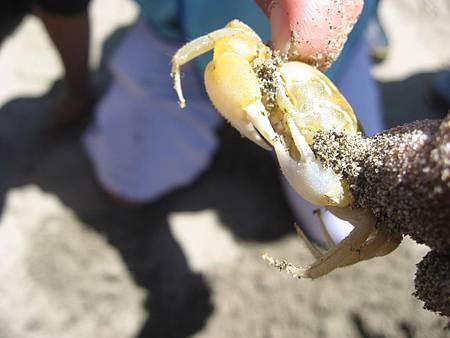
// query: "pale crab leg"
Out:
[332,259]
[365,215]
[380,245]
[195,48]
[368,250]
[390,245]
[315,251]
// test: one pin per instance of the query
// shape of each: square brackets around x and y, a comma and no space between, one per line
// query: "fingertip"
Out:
[312,31]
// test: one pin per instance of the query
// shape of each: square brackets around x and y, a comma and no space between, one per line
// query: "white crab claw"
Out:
[308,177]
[310,180]
[234,105]
[246,129]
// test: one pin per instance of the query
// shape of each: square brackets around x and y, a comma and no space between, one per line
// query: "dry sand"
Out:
[196,253]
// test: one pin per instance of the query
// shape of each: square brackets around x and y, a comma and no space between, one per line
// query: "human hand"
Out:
[312,31]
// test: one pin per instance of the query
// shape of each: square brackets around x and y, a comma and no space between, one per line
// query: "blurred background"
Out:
[75,264]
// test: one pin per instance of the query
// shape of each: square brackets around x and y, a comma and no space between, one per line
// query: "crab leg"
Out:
[380,245]
[390,245]
[392,241]
[368,250]
[195,48]
[332,259]
[313,248]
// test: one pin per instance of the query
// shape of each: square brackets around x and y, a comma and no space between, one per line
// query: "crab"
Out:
[280,104]
[295,110]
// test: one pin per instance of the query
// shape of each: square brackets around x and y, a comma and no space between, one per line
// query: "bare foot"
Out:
[70,110]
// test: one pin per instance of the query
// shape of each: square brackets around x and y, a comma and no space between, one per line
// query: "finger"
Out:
[312,31]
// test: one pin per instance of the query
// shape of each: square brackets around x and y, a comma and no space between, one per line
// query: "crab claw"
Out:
[234,90]
[248,130]
[308,177]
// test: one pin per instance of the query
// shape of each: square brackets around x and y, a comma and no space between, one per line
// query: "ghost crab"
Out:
[280,105]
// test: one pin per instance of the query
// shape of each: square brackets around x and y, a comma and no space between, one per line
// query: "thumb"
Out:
[312,31]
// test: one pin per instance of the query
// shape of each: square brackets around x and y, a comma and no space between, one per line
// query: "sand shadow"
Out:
[365,332]
[179,299]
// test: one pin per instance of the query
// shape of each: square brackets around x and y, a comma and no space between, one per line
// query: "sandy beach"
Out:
[74,264]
